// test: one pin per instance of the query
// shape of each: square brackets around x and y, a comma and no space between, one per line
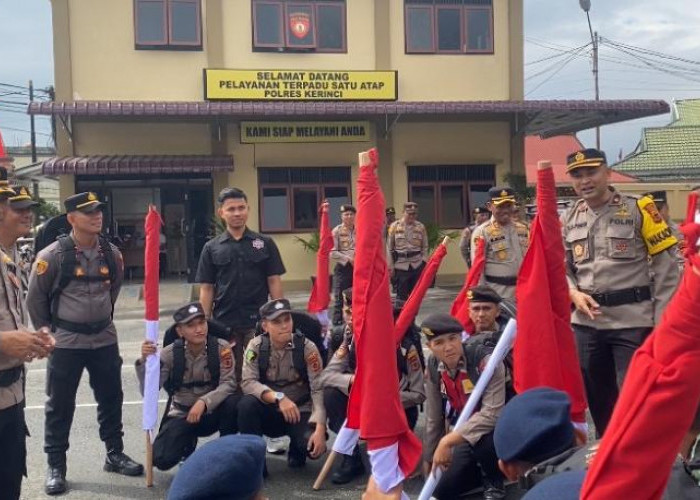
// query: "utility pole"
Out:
[32,130]
[595,40]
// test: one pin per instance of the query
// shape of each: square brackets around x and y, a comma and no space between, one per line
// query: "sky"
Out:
[552,27]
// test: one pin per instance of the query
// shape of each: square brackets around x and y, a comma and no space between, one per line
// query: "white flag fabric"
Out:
[151,385]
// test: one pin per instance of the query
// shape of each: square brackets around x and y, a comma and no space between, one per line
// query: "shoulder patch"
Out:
[413,360]
[656,234]
[251,355]
[226,357]
[313,362]
[41,266]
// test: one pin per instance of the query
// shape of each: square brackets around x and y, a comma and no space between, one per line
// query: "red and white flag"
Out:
[320,293]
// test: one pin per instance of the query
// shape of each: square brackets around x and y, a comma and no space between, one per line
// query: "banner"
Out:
[260,132]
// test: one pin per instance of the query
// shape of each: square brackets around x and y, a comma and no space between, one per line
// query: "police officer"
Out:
[344,253]
[282,386]
[505,243]
[238,270]
[74,284]
[614,243]
[197,371]
[661,201]
[17,345]
[407,247]
[483,309]
[18,224]
[339,375]
[466,453]
[480,215]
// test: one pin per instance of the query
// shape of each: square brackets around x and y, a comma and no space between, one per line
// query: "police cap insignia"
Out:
[484,293]
[279,305]
[585,158]
[91,196]
[501,195]
[470,295]
[188,312]
[192,310]
[440,324]
[275,308]
[504,193]
[579,156]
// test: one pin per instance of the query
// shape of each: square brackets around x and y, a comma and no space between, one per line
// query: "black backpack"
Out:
[50,231]
[310,327]
[175,381]
[298,359]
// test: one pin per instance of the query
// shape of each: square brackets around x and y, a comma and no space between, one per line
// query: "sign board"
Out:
[260,132]
[294,85]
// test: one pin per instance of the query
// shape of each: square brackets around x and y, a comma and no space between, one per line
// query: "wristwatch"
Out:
[279,396]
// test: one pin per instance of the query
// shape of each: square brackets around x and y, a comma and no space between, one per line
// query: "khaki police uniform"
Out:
[177,438]
[504,250]
[85,304]
[344,253]
[612,253]
[407,248]
[13,431]
[260,418]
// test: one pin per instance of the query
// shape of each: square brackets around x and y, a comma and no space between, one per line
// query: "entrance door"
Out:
[199,216]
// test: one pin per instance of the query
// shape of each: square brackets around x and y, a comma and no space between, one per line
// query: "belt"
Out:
[621,297]
[10,376]
[501,280]
[183,408]
[92,328]
[408,255]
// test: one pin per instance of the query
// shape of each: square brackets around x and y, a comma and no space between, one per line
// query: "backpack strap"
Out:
[433,371]
[174,382]
[263,358]
[298,359]
[68,261]
[213,363]
[108,255]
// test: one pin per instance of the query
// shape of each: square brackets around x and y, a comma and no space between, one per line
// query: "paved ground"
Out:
[85,458]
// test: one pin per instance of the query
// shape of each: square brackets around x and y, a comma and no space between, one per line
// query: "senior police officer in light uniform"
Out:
[505,243]
[237,272]
[344,253]
[74,284]
[407,248]
[614,242]
[17,345]
[18,224]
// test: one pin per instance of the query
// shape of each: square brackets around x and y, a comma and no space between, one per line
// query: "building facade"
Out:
[168,101]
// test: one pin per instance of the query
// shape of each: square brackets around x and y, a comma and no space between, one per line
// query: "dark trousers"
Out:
[406,280]
[13,454]
[342,279]
[260,419]
[239,339]
[468,464]
[177,438]
[63,372]
[604,356]
[336,405]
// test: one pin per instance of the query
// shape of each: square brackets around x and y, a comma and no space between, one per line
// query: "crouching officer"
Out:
[72,289]
[198,373]
[339,375]
[281,386]
[466,453]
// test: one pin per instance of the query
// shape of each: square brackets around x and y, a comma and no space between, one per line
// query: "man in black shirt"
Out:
[238,272]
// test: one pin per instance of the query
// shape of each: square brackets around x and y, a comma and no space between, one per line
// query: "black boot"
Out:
[494,489]
[350,468]
[119,462]
[55,480]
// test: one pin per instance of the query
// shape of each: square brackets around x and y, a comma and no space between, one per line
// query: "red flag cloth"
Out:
[152,263]
[657,404]
[375,406]
[320,292]
[689,228]
[410,308]
[460,306]
[545,353]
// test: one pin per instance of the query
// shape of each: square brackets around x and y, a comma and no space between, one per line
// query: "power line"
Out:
[561,54]
[22,130]
[561,67]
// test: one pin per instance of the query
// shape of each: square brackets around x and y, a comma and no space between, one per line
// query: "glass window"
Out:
[336,196]
[452,206]
[305,208]
[331,27]
[275,217]
[449,29]
[150,22]
[479,30]
[184,22]
[478,196]
[425,197]
[268,24]
[419,29]
[164,24]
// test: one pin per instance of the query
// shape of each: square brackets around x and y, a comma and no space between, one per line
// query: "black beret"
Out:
[483,293]
[562,486]
[347,208]
[188,312]
[84,202]
[501,195]
[227,467]
[481,210]
[585,158]
[390,211]
[534,426]
[440,324]
[275,308]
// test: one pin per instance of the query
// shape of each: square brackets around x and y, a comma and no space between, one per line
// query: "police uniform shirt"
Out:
[239,270]
[480,423]
[337,373]
[9,320]
[406,238]
[81,301]
[283,377]
[18,279]
[411,383]
[608,249]
[343,244]
[504,250]
[196,370]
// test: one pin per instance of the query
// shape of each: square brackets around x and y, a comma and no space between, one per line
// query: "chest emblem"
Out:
[502,254]
[578,250]
[79,272]
[104,270]
[467,386]
[258,244]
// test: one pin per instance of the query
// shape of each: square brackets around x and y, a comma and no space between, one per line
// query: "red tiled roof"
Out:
[121,165]
[556,149]
[535,117]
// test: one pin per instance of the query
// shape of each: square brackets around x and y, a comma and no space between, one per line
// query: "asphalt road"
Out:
[86,478]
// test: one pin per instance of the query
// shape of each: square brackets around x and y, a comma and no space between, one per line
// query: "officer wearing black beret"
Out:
[198,372]
[453,369]
[505,243]
[479,216]
[73,287]
[344,254]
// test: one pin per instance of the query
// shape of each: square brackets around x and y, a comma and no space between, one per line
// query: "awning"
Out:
[545,118]
[125,165]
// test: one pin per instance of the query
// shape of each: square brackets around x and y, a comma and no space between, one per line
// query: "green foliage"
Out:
[436,235]
[523,193]
[312,244]
[216,226]
[44,210]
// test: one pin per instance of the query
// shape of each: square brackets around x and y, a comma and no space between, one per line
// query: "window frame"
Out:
[290,202]
[284,46]
[434,8]
[302,187]
[167,43]
[465,200]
